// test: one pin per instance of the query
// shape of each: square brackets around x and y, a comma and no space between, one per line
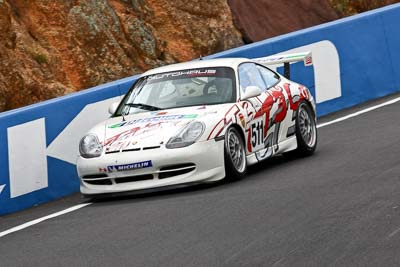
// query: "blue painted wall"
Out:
[368,47]
[58,113]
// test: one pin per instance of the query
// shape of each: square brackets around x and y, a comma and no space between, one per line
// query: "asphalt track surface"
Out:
[340,207]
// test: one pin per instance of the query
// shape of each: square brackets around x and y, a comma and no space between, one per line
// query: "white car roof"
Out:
[204,63]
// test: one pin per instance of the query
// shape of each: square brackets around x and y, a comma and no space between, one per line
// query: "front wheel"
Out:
[235,155]
[306,130]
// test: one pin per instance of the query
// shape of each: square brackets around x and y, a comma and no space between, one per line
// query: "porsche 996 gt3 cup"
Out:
[198,122]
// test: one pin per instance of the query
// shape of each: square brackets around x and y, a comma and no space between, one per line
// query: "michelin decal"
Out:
[131,166]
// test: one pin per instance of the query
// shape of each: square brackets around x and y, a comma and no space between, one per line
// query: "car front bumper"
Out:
[154,168]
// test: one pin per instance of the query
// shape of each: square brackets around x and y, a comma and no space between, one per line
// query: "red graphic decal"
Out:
[293,105]
[242,120]
[275,101]
[251,111]
[121,136]
[304,93]
[279,97]
[275,95]
[249,147]
[230,116]
[120,141]
[308,60]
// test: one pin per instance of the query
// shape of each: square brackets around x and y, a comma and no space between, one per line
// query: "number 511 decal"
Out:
[257,133]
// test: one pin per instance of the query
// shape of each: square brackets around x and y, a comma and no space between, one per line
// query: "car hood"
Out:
[148,130]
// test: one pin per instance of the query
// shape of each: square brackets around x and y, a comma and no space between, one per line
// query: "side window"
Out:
[250,76]
[270,78]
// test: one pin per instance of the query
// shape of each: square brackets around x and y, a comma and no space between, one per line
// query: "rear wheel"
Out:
[306,130]
[235,155]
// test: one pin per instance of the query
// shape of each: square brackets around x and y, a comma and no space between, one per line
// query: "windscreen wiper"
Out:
[142,106]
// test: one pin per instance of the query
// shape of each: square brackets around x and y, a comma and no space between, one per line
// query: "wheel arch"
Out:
[312,107]
[232,173]
[240,130]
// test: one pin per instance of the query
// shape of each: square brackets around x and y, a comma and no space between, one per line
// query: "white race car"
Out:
[200,121]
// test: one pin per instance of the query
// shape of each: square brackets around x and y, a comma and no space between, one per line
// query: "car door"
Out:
[276,108]
[257,124]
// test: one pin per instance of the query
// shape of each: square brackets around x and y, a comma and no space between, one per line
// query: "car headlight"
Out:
[90,147]
[187,135]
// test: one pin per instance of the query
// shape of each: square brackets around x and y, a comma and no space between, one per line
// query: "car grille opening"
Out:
[175,170]
[99,182]
[136,178]
[94,176]
[95,179]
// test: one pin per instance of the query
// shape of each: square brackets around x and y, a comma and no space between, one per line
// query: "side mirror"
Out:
[251,91]
[113,107]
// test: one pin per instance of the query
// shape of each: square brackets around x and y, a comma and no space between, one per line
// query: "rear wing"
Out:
[286,59]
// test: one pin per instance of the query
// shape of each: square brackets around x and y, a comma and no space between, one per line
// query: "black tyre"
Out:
[235,155]
[306,130]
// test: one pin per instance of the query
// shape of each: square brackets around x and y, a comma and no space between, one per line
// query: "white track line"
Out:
[28,224]
[71,209]
[359,112]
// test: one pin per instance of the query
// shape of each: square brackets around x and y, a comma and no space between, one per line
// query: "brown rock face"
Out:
[50,48]
[53,47]
[351,7]
[261,19]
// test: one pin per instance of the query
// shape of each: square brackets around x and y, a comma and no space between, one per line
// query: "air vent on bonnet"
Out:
[133,149]
[130,150]
[151,147]
[111,152]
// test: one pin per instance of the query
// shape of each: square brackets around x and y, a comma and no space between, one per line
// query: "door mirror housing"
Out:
[251,91]
[113,107]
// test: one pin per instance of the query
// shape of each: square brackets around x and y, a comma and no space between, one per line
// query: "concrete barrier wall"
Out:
[355,60]
[39,145]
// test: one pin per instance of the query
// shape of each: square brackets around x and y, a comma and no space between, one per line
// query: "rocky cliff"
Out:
[50,48]
[352,7]
[261,19]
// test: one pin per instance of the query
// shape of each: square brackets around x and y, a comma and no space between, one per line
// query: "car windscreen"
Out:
[193,87]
